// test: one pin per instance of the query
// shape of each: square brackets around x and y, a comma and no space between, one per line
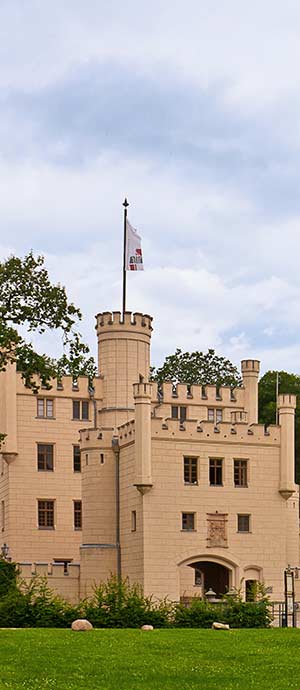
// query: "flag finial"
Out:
[125,203]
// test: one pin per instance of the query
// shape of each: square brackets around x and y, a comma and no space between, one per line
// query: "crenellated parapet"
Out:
[132,320]
[183,394]
[205,431]
[65,387]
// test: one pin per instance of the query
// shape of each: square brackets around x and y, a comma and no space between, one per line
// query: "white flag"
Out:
[134,257]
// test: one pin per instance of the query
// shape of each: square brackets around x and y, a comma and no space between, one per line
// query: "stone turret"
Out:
[123,358]
[250,373]
[142,399]
[286,408]
[8,412]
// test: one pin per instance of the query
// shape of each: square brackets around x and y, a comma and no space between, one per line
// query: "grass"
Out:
[134,660]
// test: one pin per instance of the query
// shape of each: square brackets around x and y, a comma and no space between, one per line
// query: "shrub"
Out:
[34,605]
[8,576]
[117,604]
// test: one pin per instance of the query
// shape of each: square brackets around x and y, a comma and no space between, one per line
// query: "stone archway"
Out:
[210,575]
[199,574]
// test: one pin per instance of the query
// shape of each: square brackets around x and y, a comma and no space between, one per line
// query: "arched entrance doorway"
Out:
[210,575]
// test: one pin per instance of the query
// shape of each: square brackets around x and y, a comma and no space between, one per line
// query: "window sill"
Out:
[39,469]
[241,486]
[77,529]
[188,530]
[44,417]
[216,486]
[78,419]
[191,483]
[46,529]
[242,532]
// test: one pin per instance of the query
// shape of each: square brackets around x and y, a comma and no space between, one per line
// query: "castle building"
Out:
[177,487]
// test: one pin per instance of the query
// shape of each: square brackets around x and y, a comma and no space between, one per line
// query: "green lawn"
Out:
[135,660]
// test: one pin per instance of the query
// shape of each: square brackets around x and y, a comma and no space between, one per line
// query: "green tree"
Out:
[30,302]
[197,367]
[288,383]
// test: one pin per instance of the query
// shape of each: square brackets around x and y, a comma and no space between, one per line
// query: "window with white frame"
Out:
[45,408]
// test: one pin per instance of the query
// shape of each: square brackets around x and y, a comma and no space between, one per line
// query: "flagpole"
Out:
[125,204]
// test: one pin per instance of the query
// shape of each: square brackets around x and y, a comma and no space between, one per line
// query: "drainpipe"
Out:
[116,450]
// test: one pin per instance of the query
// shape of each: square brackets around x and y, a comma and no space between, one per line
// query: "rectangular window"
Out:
[215,415]
[215,472]
[76,459]
[77,515]
[188,522]
[45,457]
[178,412]
[211,414]
[243,523]
[190,470]
[81,409]
[219,415]
[240,472]
[45,407]
[133,520]
[46,514]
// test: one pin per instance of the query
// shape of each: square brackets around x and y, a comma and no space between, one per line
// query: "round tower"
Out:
[123,359]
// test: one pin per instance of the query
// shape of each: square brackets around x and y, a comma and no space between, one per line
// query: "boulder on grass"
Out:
[220,626]
[81,624]
[147,627]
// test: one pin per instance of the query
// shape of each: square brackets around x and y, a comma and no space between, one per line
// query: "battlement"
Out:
[287,400]
[182,393]
[250,366]
[95,438]
[126,432]
[205,431]
[132,320]
[142,390]
[65,387]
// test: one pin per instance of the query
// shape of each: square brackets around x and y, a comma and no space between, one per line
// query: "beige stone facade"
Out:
[181,489]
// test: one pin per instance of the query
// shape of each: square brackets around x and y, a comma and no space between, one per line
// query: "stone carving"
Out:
[217,529]
[81,624]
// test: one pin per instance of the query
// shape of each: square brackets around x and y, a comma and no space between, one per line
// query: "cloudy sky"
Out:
[190,109]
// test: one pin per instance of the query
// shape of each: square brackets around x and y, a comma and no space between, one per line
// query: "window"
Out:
[76,459]
[80,409]
[251,587]
[45,407]
[133,520]
[216,472]
[77,515]
[214,415]
[190,470]
[179,412]
[46,514]
[219,415]
[240,472]
[45,457]
[188,522]
[243,523]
